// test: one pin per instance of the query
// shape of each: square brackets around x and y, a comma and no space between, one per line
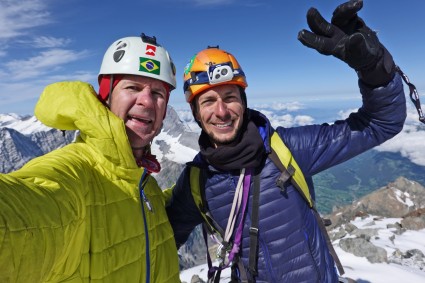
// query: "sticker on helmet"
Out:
[118,55]
[188,67]
[149,66]
[150,50]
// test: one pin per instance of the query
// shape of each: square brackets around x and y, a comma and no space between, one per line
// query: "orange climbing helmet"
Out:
[211,67]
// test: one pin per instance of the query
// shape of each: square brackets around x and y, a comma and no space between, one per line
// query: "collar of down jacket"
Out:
[74,106]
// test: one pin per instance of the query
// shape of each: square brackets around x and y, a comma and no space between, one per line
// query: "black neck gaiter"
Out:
[246,152]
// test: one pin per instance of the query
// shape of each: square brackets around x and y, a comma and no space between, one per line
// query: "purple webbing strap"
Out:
[238,235]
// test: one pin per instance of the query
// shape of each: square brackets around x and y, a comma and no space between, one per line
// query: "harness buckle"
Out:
[253,231]
[284,177]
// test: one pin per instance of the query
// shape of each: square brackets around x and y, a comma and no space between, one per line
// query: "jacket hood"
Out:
[264,127]
[75,106]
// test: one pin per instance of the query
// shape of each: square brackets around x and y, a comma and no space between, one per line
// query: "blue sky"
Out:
[45,41]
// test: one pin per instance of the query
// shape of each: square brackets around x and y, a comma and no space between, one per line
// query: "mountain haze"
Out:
[23,138]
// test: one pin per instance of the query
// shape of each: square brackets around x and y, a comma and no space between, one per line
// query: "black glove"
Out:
[349,39]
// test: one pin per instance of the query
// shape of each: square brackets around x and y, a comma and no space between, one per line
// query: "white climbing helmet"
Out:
[141,56]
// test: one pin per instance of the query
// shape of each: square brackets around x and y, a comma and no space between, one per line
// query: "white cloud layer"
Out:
[286,120]
[18,92]
[17,17]
[410,143]
[29,72]
[289,106]
[49,42]
[44,62]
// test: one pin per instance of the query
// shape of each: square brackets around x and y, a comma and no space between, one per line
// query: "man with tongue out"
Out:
[91,211]
[138,93]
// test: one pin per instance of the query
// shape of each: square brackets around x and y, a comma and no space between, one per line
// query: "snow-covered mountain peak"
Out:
[26,125]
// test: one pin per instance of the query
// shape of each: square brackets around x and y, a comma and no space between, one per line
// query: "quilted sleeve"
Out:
[42,220]
[381,117]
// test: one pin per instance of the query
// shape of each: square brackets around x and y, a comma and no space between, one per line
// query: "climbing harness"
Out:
[227,253]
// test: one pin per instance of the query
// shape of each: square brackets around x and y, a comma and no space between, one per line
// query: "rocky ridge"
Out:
[387,214]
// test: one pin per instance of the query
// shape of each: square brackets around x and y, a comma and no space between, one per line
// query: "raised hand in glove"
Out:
[348,38]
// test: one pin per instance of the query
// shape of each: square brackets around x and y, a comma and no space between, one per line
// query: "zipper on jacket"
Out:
[145,199]
[148,205]
[142,191]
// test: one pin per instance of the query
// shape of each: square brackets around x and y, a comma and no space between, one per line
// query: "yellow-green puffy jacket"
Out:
[75,214]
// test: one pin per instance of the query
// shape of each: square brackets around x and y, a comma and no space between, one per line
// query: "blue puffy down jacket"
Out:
[291,245]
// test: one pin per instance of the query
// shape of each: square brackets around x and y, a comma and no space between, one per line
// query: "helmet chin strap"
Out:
[111,83]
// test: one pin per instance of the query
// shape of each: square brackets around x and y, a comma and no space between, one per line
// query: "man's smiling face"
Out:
[220,111]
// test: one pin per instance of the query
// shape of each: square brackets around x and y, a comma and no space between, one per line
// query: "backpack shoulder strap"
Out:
[283,159]
[195,187]
[196,182]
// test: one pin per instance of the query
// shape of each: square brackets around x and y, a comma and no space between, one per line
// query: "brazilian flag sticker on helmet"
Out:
[149,66]
[189,65]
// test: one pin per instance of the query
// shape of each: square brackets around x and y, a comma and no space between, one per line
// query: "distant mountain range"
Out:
[23,138]
[346,185]
[17,148]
